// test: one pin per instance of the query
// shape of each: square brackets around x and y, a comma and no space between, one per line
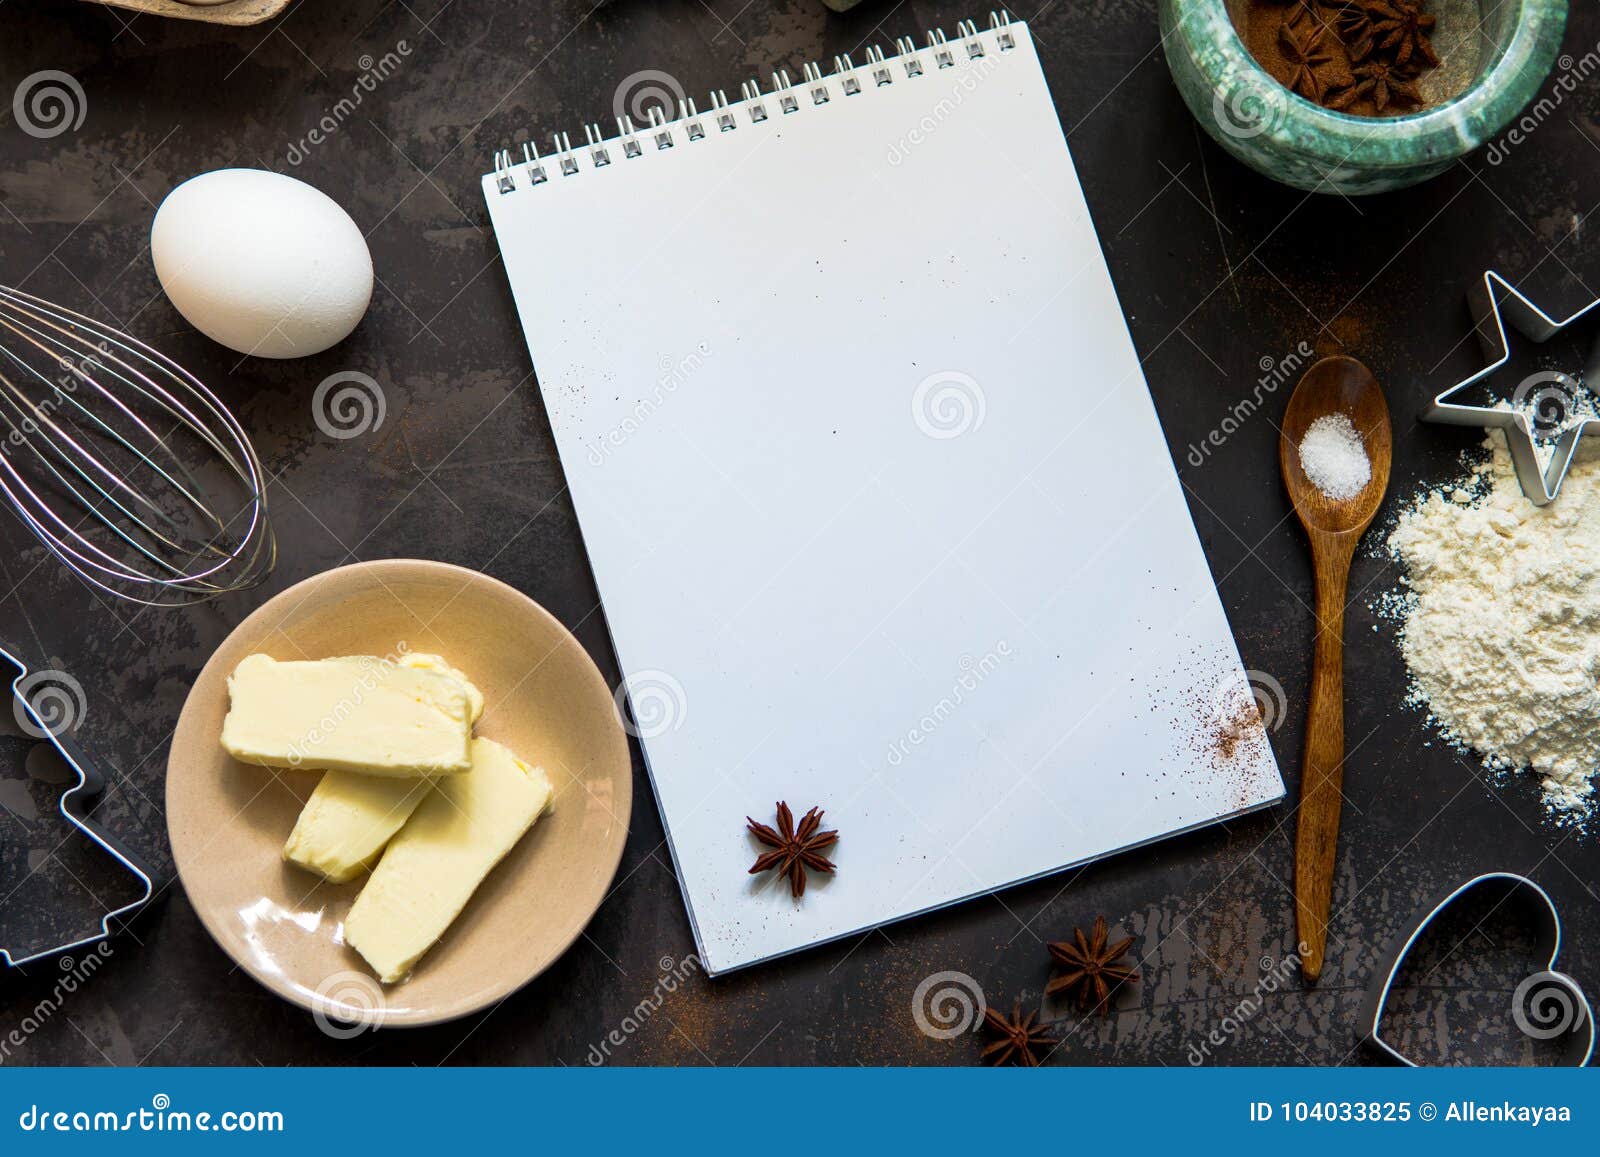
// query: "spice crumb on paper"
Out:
[1223,715]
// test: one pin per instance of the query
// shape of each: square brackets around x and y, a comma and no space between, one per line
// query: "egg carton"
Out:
[237,12]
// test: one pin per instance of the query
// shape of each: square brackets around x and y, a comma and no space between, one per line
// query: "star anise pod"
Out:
[1354,24]
[1019,1037]
[1093,969]
[1386,84]
[1303,52]
[1400,27]
[1305,11]
[794,849]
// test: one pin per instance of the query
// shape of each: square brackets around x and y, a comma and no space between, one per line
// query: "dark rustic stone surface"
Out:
[1217,270]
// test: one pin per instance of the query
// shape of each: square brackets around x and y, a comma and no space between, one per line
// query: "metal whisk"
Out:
[123,463]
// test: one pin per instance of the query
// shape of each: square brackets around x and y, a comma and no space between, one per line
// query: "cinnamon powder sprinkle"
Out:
[1241,729]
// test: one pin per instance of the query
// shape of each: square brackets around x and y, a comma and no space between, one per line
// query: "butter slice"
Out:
[363,714]
[350,817]
[458,833]
[426,662]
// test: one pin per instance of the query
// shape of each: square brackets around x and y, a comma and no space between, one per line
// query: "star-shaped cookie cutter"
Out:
[1495,301]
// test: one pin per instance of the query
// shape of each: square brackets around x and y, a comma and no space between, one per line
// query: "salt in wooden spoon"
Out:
[1332,386]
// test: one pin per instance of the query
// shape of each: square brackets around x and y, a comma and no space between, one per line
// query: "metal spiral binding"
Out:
[786,98]
[907,63]
[690,116]
[750,90]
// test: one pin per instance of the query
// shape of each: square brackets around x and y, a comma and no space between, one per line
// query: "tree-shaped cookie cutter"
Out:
[1494,302]
[74,806]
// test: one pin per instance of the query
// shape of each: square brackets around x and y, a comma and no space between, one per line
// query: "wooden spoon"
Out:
[1332,386]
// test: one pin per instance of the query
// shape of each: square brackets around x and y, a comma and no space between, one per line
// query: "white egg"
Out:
[261,262]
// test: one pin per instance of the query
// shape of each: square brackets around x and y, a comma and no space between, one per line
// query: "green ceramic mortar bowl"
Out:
[1496,53]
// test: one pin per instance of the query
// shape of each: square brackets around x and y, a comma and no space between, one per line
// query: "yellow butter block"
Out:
[423,661]
[369,715]
[459,832]
[350,817]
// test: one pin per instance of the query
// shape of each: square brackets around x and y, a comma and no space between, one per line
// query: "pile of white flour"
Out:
[1502,621]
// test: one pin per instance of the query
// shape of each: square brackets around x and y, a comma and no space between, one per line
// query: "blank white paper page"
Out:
[878,506]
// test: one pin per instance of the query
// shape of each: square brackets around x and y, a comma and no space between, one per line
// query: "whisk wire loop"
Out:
[123,464]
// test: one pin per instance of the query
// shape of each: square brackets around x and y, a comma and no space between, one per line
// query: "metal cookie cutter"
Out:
[74,805]
[1494,301]
[1547,1005]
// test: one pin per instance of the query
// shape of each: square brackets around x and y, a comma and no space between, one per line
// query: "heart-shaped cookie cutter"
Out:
[1573,1019]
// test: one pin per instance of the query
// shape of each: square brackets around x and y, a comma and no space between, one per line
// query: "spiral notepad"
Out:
[876,500]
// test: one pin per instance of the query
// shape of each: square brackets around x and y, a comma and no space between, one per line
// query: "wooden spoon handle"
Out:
[1322,771]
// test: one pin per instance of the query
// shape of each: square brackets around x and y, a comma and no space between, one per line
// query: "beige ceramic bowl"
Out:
[544,699]
[237,12]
